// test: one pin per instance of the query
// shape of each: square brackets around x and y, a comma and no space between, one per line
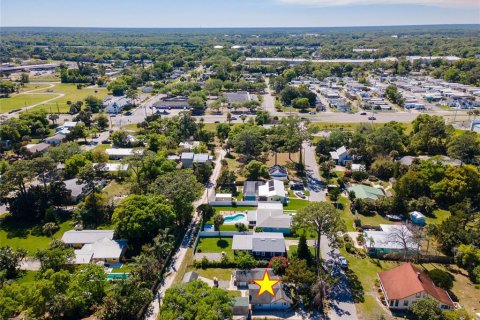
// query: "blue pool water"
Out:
[234,218]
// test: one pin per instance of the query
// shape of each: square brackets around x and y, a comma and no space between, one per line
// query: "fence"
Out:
[231,203]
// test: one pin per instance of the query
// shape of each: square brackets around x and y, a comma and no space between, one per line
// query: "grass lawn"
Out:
[33,86]
[22,100]
[131,127]
[115,189]
[183,267]
[210,273]
[46,78]
[292,251]
[296,204]
[439,216]
[21,235]
[71,93]
[216,245]
[27,277]
[124,268]
[349,218]
[228,227]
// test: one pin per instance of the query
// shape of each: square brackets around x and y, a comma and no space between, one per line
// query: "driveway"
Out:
[314,183]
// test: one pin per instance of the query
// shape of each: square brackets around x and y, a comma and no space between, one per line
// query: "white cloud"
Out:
[437,3]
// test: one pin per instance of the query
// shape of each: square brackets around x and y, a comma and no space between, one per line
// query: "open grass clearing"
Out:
[215,245]
[27,235]
[210,273]
[22,100]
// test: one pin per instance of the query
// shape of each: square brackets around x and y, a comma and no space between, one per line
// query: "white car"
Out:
[300,194]
[343,262]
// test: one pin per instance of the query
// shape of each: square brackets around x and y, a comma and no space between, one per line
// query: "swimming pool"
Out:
[234,218]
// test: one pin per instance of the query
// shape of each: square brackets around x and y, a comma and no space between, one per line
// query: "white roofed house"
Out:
[270,217]
[341,155]
[120,153]
[272,190]
[391,239]
[115,104]
[93,246]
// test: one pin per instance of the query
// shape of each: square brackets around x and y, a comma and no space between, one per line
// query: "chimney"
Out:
[418,276]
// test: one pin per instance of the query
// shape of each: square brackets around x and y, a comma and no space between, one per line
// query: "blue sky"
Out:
[236,13]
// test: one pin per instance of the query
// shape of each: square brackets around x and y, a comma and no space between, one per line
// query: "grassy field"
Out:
[292,251]
[295,204]
[22,100]
[25,235]
[115,189]
[33,86]
[216,245]
[27,277]
[71,93]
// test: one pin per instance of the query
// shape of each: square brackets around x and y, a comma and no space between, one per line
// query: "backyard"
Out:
[215,245]
[27,235]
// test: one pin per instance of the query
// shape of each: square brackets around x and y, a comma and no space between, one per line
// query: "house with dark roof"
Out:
[280,301]
[278,172]
[262,245]
[241,308]
[406,284]
[237,97]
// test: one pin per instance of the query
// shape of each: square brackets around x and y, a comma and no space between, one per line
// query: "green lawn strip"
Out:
[215,245]
[234,209]
[22,100]
[187,261]
[295,204]
[34,86]
[20,235]
[292,251]
[123,269]
[115,189]
[228,227]
[210,273]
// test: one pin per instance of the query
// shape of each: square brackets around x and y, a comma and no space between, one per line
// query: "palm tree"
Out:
[132,95]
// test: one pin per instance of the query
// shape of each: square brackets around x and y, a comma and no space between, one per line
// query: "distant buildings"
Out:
[115,105]
[366,192]
[188,159]
[120,153]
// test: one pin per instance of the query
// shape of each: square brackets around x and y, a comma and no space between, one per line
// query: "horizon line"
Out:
[254,27]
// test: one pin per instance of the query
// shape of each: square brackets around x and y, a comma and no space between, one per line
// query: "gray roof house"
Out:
[245,278]
[278,172]
[189,158]
[75,188]
[238,97]
[81,237]
[270,217]
[115,104]
[262,245]
[241,308]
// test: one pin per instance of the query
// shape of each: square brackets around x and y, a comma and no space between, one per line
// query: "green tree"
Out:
[301,103]
[10,261]
[299,274]
[138,218]
[182,189]
[217,221]
[255,170]
[132,95]
[426,309]
[222,129]
[247,140]
[245,261]
[322,218]
[120,139]
[210,303]
[55,257]
[75,163]
[102,122]
[441,278]
[394,95]
[303,252]
[279,265]
[464,146]
[117,87]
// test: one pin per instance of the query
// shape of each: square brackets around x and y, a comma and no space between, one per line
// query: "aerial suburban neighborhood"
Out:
[239,173]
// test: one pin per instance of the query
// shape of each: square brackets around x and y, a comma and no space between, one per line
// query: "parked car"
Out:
[343,262]
[329,263]
[233,118]
[363,113]
[372,118]
[312,112]
[300,194]
[106,141]
[128,113]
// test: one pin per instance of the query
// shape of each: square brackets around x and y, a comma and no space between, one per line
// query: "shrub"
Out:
[349,247]
[441,278]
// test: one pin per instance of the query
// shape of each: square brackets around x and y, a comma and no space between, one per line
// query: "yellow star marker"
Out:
[266,285]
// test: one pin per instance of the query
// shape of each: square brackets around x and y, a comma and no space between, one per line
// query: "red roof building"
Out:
[405,284]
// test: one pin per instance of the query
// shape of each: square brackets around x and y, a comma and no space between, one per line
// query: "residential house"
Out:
[104,250]
[406,284]
[278,172]
[188,146]
[189,158]
[341,155]
[272,190]
[120,153]
[76,190]
[177,102]
[37,148]
[237,97]
[366,192]
[245,278]
[115,105]
[390,239]
[262,245]
[78,238]
[270,217]
[111,167]
[56,139]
